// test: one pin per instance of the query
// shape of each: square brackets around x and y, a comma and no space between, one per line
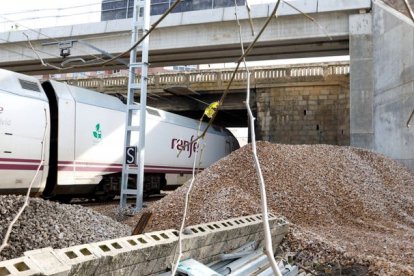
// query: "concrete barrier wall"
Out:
[145,254]
[393,83]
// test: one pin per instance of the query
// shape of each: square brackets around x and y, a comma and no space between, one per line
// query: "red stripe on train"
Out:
[17,167]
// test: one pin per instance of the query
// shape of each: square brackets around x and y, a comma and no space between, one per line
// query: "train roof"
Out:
[20,84]
[90,97]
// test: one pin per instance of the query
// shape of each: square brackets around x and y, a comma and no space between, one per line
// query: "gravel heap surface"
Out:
[345,205]
[46,223]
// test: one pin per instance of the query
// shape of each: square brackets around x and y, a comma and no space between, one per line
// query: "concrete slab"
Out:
[20,267]
[48,262]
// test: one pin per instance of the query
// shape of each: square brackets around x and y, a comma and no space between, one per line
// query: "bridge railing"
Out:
[219,76]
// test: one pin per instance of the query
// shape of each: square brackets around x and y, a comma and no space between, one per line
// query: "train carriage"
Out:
[84,137]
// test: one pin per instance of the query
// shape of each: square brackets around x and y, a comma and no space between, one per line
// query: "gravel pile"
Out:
[345,205]
[45,223]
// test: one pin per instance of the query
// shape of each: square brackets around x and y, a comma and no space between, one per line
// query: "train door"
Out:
[62,106]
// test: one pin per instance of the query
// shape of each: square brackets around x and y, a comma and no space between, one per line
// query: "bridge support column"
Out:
[382,83]
[361,81]
[393,83]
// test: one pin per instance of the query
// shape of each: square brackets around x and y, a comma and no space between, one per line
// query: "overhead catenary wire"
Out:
[104,62]
[55,16]
[153,26]
[59,68]
[55,9]
[20,53]
[38,56]
[41,33]
[63,8]
[64,15]
[410,10]
[310,18]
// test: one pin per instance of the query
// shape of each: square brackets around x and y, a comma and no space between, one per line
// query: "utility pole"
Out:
[133,166]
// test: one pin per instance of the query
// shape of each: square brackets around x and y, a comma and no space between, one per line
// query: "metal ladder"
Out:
[141,23]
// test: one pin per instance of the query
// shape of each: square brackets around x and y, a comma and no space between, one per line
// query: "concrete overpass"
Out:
[205,36]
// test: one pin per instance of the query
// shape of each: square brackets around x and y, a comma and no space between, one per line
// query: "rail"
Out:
[217,77]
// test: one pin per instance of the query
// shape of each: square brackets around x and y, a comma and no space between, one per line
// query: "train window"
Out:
[29,85]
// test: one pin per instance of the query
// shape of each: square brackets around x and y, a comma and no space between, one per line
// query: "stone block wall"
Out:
[304,113]
[147,254]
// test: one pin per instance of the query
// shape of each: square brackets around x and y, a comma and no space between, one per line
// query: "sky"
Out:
[46,13]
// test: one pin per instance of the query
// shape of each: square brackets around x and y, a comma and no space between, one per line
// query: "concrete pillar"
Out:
[361,81]
[393,83]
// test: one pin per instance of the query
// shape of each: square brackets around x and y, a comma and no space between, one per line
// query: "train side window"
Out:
[153,112]
[29,85]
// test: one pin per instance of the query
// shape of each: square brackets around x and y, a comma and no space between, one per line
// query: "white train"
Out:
[84,136]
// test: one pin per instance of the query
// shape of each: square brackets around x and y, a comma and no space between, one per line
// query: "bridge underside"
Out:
[232,114]
[201,55]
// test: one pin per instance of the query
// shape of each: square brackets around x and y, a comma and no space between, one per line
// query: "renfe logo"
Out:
[183,145]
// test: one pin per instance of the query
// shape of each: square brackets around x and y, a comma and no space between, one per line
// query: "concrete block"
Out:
[146,268]
[142,248]
[166,240]
[163,264]
[111,247]
[144,254]
[22,266]
[217,233]
[197,236]
[118,253]
[129,251]
[48,262]
[83,259]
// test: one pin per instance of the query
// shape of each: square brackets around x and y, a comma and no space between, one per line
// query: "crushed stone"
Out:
[46,223]
[345,205]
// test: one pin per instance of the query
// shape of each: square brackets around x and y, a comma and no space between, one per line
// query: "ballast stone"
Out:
[46,223]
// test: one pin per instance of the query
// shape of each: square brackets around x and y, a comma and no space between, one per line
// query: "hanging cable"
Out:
[263,196]
[26,201]
[310,18]
[104,62]
[247,51]
[135,44]
[409,9]
[40,33]
[187,195]
[39,57]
